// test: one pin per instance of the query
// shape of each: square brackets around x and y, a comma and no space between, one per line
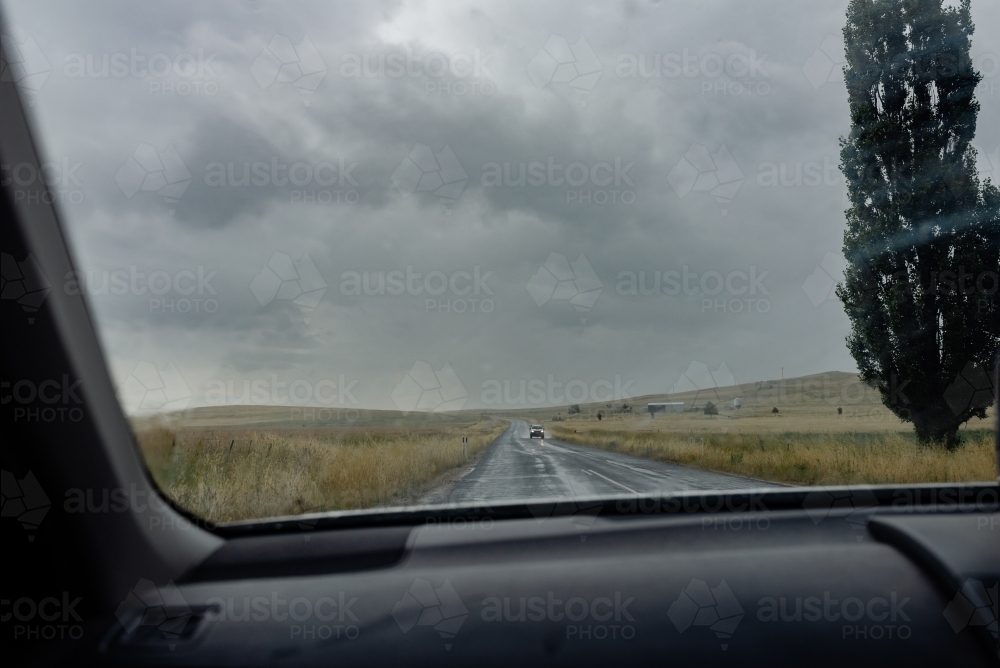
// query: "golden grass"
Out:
[804,458]
[233,474]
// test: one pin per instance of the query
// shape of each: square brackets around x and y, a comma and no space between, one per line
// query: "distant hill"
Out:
[827,388]
[831,388]
[822,390]
[291,417]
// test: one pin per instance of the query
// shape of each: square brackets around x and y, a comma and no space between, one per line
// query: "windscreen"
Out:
[353,256]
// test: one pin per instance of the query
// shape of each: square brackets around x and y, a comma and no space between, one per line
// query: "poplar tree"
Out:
[923,231]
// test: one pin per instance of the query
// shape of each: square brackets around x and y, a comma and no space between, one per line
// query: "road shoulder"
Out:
[438,490]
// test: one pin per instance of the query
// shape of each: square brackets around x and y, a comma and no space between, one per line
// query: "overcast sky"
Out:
[672,139]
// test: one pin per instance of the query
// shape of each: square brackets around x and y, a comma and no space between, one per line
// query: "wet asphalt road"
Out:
[516,467]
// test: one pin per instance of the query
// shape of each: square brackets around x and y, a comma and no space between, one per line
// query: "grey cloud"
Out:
[783,227]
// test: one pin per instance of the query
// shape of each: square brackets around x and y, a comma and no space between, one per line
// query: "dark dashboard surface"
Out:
[845,586]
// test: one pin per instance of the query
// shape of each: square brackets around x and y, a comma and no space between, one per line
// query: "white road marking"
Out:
[613,482]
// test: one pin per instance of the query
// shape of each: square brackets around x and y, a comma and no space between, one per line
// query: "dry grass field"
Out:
[808,441]
[225,473]
[796,458]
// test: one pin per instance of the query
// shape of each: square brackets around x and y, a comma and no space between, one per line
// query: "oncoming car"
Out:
[536,430]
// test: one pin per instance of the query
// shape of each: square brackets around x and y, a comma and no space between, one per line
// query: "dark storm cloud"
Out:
[723,178]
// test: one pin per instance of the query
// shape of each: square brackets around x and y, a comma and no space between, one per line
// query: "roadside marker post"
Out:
[465,447]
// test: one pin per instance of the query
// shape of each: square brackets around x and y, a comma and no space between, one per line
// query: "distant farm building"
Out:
[669,407]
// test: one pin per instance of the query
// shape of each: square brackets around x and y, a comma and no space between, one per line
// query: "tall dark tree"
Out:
[923,233]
